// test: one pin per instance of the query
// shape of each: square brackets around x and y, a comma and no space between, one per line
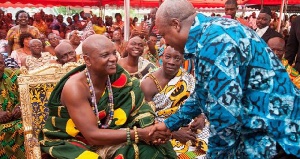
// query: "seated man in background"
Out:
[11,130]
[65,53]
[134,63]
[165,90]
[37,57]
[277,45]
[93,115]
[54,41]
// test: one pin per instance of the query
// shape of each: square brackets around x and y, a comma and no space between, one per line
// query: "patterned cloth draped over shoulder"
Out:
[11,133]
[61,137]
[167,102]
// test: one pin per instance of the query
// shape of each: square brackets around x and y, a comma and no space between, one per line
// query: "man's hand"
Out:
[198,123]
[157,137]
[184,135]
[5,117]
[16,113]
[158,127]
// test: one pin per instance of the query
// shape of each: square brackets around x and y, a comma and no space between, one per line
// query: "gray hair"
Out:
[34,40]
[179,9]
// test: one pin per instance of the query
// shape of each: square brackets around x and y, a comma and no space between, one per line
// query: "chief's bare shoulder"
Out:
[75,88]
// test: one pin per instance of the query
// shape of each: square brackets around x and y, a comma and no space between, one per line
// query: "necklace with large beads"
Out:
[94,104]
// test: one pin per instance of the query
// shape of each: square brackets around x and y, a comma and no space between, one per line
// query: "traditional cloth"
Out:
[188,65]
[98,29]
[14,33]
[11,63]
[11,133]
[167,102]
[293,73]
[144,67]
[244,91]
[149,56]
[34,63]
[41,26]
[63,140]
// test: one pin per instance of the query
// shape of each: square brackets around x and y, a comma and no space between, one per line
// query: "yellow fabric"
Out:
[88,155]
[98,29]
[71,128]
[121,116]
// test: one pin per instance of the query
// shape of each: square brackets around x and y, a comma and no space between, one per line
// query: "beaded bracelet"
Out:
[128,136]
[136,136]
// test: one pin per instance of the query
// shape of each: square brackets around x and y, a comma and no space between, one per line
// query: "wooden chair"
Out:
[35,88]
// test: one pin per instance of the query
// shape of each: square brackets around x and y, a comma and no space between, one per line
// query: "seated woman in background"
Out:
[24,51]
[11,132]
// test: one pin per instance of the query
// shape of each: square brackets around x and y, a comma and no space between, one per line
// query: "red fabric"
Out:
[271,2]
[120,82]
[133,3]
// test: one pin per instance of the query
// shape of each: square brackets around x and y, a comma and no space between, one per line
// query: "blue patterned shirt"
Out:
[243,89]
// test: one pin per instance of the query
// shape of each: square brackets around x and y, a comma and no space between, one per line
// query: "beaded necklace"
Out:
[94,104]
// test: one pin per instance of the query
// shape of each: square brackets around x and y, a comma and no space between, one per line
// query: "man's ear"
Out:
[176,24]
[87,60]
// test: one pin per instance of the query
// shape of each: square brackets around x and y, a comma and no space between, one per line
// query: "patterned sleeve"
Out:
[185,113]
[10,35]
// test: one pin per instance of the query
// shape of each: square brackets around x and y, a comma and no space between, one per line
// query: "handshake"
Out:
[160,134]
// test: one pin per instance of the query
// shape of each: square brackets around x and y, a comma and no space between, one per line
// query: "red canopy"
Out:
[133,3]
[272,2]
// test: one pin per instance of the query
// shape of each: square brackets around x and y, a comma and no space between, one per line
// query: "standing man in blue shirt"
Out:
[241,86]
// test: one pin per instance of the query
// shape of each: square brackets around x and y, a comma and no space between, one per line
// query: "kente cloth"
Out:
[144,67]
[11,133]
[188,65]
[34,63]
[167,102]
[293,73]
[14,33]
[243,89]
[61,139]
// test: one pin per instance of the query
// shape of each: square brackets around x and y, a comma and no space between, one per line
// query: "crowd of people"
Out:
[184,85]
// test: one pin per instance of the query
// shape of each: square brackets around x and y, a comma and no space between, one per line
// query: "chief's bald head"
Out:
[179,9]
[95,42]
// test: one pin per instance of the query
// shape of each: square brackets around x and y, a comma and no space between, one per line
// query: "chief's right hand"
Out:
[161,136]
[5,117]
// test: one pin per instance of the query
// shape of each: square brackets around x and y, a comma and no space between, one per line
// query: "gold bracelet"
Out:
[136,136]
[128,136]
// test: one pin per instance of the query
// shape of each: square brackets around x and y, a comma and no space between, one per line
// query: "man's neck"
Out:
[167,76]
[99,81]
